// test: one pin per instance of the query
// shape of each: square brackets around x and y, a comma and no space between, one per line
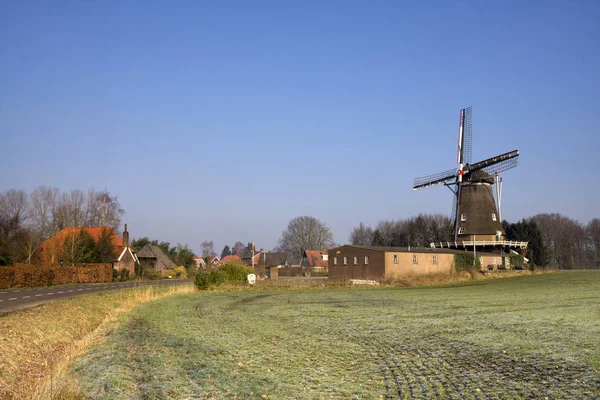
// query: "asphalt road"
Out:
[17,299]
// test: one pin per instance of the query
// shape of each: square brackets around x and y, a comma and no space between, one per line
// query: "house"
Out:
[276,259]
[154,257]
[51,250]
[379,263]
[200,263]
[211,260]
[315,259]
[230,259]
[128,258]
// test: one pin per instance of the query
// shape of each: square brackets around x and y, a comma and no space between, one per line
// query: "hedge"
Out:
[25,275]
[228,272]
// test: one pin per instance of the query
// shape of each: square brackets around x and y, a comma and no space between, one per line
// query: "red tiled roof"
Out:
[315,258]
[95,232]
[231,259]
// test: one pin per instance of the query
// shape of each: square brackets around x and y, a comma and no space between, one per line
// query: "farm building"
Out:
[378,263]
[127,259]
[154,257]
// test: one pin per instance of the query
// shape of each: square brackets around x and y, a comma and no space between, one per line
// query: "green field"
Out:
[526,337]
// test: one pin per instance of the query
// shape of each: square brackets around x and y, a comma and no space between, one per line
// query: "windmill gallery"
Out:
[477,228]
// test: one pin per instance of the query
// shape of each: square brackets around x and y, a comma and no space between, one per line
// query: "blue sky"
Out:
[224,120]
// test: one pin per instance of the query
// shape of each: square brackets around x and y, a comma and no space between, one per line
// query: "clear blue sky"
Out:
[224,120]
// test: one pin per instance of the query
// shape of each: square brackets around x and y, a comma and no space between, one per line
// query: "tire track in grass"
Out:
[380,362]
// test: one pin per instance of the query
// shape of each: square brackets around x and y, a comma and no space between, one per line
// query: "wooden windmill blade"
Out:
[465,136]
[500,163]
[435,179]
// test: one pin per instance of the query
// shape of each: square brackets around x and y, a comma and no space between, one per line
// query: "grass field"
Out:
[526,337]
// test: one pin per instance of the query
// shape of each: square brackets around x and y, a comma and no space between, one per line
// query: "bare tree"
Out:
[238,249]
[305,233]
[13,206]
[565,238]
[208,248]
[43,202]
[593,233]
[415,231]
[69,210]
[362,235]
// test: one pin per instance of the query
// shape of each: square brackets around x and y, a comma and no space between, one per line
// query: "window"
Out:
[325,257]
[461,230]
[345,260]
[334,260]
[366,260]
[463,217]
[355,260]
[493,217]
[435,259]
[415,259]
[395,258]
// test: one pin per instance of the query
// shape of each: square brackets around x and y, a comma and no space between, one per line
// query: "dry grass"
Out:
[37,345]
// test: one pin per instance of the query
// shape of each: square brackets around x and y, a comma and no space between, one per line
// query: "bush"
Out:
[517,261]
[124,275]
[235,272]
[115,275]
[168,273]
[181,272]
[229,272]
[464,262]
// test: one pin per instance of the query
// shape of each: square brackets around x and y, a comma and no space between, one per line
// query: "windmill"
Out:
[474,212]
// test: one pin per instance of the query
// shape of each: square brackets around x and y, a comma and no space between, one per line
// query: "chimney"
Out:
[125,237]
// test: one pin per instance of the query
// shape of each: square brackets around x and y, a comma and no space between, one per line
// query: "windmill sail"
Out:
[430,180]
[500,163]
[468,136]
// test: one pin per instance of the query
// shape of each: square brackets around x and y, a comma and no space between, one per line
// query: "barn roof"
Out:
[152,251]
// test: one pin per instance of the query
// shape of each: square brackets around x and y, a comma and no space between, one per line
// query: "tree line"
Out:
[417,231]
[554,239]
[26,220]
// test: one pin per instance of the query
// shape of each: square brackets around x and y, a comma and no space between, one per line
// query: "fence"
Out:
[25,275]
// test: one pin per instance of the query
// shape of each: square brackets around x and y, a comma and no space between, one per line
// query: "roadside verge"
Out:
[36,344]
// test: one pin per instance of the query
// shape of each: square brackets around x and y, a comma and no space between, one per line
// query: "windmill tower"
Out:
[475,215]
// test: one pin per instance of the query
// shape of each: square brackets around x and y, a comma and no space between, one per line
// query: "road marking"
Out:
[88,288]
[69,291]
[79,290]
[3,292]
[26,297]
[16,291]
[49,293]
[38,295]
[60,292]
[14,298]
